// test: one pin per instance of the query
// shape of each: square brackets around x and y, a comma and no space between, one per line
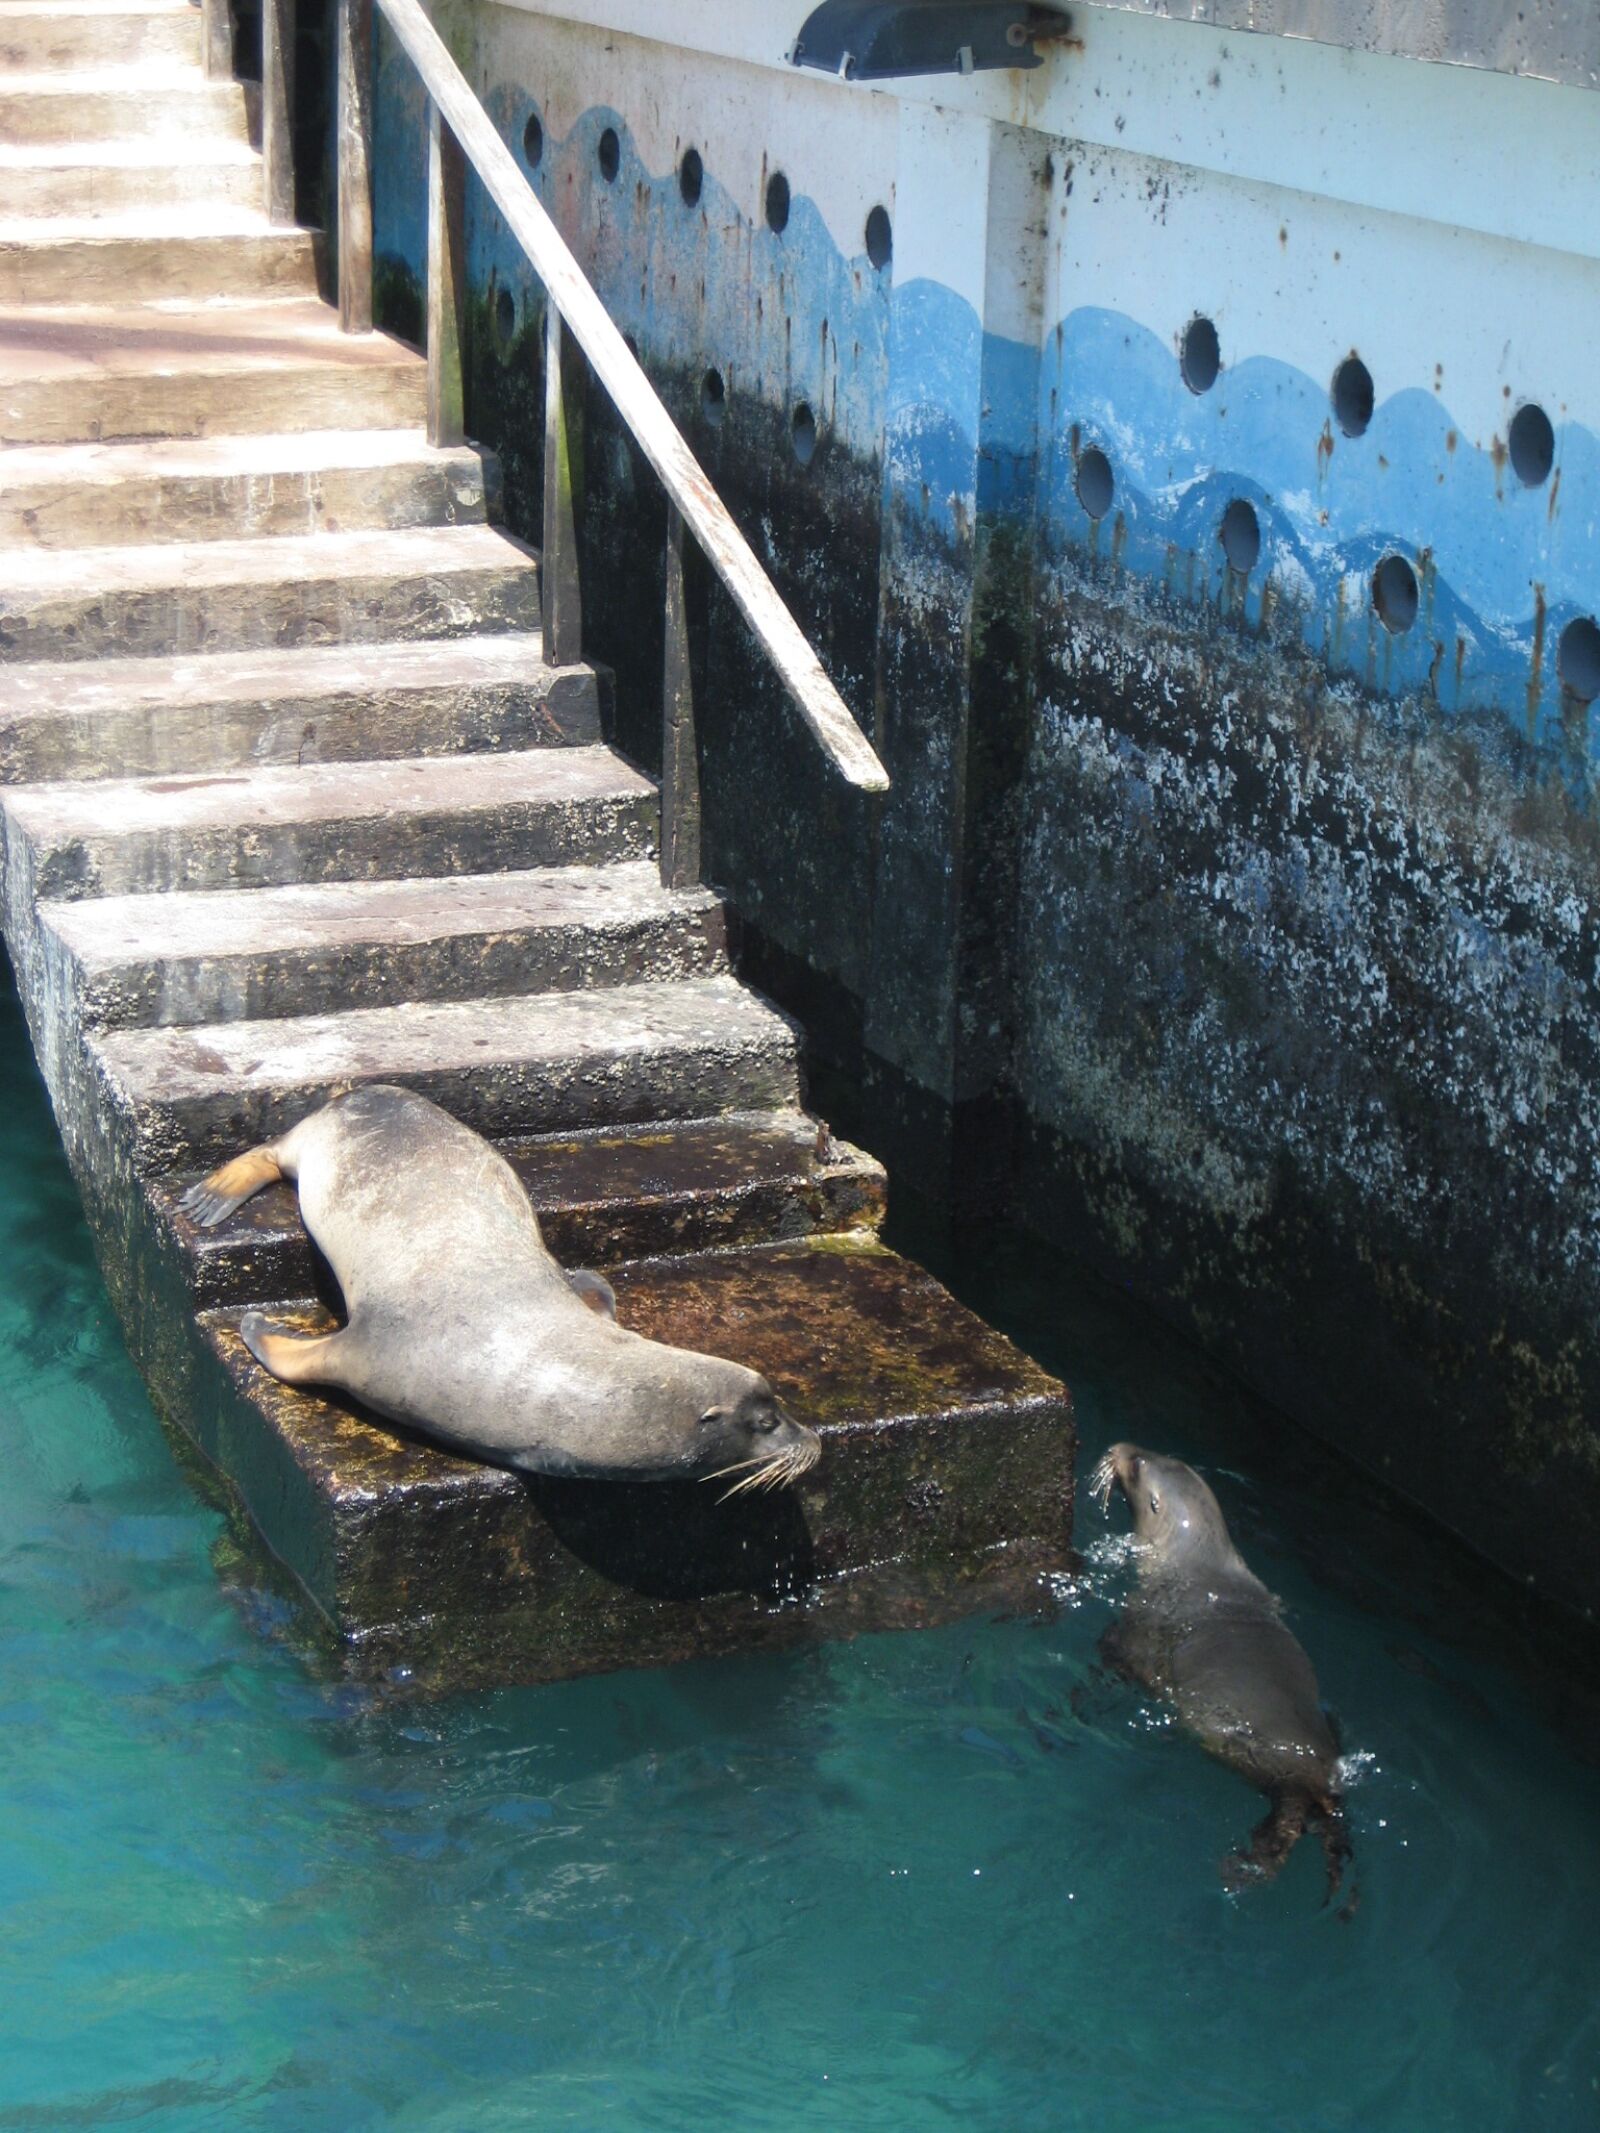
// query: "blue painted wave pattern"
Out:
[964,420]
[1487,551]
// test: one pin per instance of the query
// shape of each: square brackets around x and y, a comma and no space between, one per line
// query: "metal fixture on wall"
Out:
[876,40]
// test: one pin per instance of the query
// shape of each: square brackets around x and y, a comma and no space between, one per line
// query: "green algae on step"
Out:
[938,1436]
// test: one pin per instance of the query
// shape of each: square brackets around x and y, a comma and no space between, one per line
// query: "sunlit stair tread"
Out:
[251,334]
[150,100]
[544,1062]
[82,496]
[143,599]
[189,223]
[313,947]
[187,368]
[189,151]
[38,36]
[252,455]
[200,712]
[331,821]
[367,552]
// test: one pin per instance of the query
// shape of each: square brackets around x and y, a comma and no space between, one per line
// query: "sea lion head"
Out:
[1176,1519]
[744,1435]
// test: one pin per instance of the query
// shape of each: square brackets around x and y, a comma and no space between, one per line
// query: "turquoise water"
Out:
[897,1884]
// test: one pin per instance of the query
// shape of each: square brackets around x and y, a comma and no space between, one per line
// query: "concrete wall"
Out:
[1240,934]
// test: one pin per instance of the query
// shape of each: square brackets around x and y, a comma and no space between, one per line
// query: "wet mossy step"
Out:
[945,1483]
[601,1197]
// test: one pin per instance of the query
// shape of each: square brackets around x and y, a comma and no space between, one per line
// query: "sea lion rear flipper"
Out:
[216,1196]
[293,1358]
[1271,1842]
[594,1290]
[1337,1853]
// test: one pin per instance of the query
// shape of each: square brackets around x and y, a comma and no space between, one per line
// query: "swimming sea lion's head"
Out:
[747,1437]
[1175,1516]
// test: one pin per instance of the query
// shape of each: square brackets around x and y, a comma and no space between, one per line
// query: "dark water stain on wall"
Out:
[1310,1049]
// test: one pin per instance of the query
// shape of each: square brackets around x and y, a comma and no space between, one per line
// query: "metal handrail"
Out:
[461,133]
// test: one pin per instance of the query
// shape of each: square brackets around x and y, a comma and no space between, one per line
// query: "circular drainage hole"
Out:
[1352,396]
[1096,483]
[1240,535]
[1394,594]
[1200,356]
[1578,658]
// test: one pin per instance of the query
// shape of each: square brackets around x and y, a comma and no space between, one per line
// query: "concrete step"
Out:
[230,595]
[945,1484]
[143,961]
[314,703]
[542,1063]
[324,822]
[119,178]
[147,102]
[308,481]
[87,371]
[618,1193]
[47,36]
[152,254]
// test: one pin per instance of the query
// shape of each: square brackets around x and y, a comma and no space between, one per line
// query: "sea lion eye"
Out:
[764,1419]
[1155,1501]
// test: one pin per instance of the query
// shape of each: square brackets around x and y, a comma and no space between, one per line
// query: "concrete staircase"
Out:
[293,801]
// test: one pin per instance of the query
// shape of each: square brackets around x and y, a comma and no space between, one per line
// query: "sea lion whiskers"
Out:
[774,1470]
[1103,1480]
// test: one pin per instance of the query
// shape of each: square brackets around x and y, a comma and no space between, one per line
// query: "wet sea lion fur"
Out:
[461,1325]
[1203,1632]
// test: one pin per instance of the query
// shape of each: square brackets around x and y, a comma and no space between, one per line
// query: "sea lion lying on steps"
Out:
[462,1325]
[1203,1631]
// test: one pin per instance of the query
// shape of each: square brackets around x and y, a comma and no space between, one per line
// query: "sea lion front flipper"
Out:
[216,1197]
[294,1358]
[594,1290]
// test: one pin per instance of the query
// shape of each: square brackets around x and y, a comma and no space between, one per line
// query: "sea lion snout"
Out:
[1176,1519]
[756,1442]
[1117,1468]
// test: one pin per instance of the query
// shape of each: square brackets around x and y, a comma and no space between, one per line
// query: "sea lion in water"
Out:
[463,1326]
[1203,1631]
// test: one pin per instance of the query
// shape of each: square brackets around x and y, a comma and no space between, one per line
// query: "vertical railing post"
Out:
[277,108]
[355,165]
[558,564]
[216,36]
[447,195]
[680,765]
